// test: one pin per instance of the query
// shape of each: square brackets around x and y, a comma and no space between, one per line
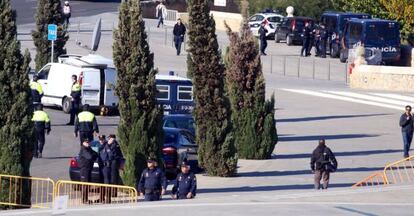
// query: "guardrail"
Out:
[401,171]
[81,193]
[375,179]
[12,187]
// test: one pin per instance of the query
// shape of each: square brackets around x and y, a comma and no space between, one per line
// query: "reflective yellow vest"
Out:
[40,116]
[86,116]
[36,86]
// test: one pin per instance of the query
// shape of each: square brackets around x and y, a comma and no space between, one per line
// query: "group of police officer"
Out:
[314,35]
[109,155]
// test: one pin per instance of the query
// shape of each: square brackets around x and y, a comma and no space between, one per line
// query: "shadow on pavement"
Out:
[326,137]
[305,172]
[321,118]
[338,154]
[269,188]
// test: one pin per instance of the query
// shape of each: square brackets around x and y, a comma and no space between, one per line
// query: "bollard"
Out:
[329,71]
[313,69]
[298,67]
[271,64]
[165,37]
[346,73]
[284,65]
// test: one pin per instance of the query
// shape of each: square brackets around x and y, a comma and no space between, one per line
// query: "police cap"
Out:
[151,160]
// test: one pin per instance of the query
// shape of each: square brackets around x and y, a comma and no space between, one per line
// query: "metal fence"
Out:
[399,172]
[375,179]
[311,68]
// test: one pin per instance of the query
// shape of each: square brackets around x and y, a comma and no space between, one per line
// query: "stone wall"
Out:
[234,20]
[387,78]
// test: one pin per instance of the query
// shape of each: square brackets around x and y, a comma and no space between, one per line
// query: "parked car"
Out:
[335,23]
[272,20]
[179,145]
[383,35]
[181,121]
[291,30]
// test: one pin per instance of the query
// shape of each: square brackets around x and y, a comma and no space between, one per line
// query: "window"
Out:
[274,19]
[185,93]
[253,19]
[382,32]
[355,32]
[163,92]
[186,139]
[170,138]
[44,72]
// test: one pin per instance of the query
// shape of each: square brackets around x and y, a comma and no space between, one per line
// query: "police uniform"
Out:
[151,183]
[86,124]
[324,39]
[42,124]
[110,155]
[184,184]
[76,92]
[306,41]
[87,157]
[37,92]
[263,40]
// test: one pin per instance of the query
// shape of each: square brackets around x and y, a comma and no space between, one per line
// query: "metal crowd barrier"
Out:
[12,187]
[171,19]
[401,171]
[375,179]
[81,193]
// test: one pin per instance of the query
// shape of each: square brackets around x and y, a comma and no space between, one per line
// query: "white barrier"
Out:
[171,19]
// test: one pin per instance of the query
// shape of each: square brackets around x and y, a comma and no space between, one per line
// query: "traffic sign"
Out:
[52,32]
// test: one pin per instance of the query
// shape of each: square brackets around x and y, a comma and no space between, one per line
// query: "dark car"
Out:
[179,145]
[182,121]
[96,176]
[379,34]
[335,23]
[291,30]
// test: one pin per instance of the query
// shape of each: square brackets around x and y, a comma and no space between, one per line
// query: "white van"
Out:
[96,74]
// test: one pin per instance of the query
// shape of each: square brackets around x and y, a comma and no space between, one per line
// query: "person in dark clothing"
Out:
[306,40]
[323,41]
[75,94]
[37,90]
[111,156]
[86,125]
[186,183]
[179,33]
[317,41]
[311,38]
[262,37]
[322,162]
[407,129]
[42,125]
[153,182]
[87,157]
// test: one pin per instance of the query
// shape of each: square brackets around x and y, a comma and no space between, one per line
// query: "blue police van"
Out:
[380,34]
[174,94]
[334,23]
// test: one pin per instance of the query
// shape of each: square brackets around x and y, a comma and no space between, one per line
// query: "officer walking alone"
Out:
[37,90]
[323,162]
[179,33]
[42,125]
[86,125]
[407,129]
[153,182]
[186,183]
[87,157]
[262,37]
[306,40]
[75,94]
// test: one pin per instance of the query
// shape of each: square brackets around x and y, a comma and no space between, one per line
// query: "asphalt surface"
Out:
[26,9]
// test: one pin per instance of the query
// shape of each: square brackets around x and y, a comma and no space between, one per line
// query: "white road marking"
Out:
[371,98]
[395,96]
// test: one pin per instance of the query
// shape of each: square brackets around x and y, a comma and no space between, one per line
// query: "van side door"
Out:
[110,82]
[43,75]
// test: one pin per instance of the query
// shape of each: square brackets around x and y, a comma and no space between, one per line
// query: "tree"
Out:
[403,12]
[140,128]
[252,115]
[373,7]
[48,12]
[16,129]
[216,152]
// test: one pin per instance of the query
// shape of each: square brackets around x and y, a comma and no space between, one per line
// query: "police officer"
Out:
[76,99]
[86,124]
[306,40]
[323,42]
[111,156]
[42,125]
[186,183]
[87,157]
[37,90]
[262,37]
[153,182]
[317,40]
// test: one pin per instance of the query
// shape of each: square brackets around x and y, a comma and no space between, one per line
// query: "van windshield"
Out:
[382,32]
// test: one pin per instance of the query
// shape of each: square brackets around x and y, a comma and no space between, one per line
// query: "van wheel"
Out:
[289,40]
[277,39]
[342,58]
[66,105]
[333,54]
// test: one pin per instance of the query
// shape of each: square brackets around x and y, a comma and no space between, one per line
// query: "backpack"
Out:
[326,162]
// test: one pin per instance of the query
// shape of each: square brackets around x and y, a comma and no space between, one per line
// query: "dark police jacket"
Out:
[321,156]
[184,184]
[109,153]
[87,157]
[179,30]
[306,32]
[86,122]
[152,181]
[406,125]
[262,33]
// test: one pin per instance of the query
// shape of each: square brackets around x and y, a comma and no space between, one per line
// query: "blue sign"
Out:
[52,32]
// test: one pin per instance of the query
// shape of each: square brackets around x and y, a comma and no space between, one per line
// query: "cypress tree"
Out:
[140,128]
[216,152]
[252,116]
[16,128]
[48,12]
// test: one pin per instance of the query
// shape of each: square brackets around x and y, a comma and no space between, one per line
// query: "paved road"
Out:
[26,9]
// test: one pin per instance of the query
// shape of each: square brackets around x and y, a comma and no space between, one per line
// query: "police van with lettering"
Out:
[383,35]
